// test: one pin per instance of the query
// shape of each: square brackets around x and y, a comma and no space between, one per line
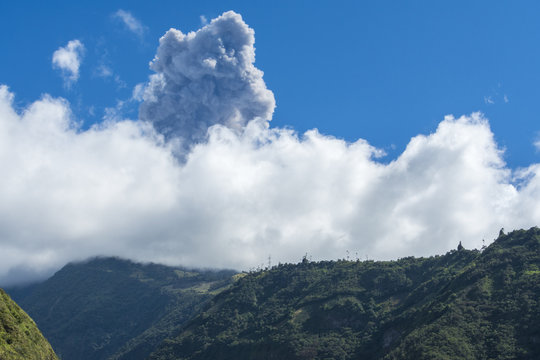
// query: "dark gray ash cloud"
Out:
[206,78]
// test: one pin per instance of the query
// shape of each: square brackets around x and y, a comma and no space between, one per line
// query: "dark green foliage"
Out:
[463,305]
[489,311]
[20,338]
[113,308]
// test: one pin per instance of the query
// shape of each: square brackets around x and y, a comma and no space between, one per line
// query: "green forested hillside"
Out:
[467,304]
[112,308]
[20,338]
[462,305]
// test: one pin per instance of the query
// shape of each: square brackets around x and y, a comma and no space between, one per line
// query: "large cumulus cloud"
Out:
[117,189]
[205,78]
[242,190]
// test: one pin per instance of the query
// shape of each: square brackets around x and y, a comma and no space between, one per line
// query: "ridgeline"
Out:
[109,308]
[466,304]
[462,305]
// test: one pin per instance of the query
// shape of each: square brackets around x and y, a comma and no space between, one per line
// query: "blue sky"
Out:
[192,171]
[382,71]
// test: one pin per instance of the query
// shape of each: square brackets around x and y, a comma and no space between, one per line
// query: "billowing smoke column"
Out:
[206,78]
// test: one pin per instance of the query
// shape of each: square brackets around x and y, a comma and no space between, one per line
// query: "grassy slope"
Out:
[465,304]
[20,338]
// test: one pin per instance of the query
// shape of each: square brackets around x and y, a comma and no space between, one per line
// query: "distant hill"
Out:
[113,308]
[20,338]
[462,305]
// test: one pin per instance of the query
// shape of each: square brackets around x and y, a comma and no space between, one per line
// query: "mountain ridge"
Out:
[465,304]
[115,308]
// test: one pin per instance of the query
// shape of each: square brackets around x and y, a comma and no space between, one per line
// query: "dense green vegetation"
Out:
[462,305]
[112,308]
[467,304]
[20,339]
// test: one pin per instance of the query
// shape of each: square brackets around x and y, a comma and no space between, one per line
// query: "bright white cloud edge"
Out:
[68,60]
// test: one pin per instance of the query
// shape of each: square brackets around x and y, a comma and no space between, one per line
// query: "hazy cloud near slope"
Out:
[247,192]
[68,60]
[205,78]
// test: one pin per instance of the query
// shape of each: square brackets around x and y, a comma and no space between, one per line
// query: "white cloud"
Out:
[131,23]
[204,20]
[117,189]
[247,192]
[106,72]
[68,60]
[138,92]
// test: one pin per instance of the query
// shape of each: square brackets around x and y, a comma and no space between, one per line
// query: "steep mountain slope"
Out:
[463,305]
[20,338]
[113,308]
[490,310]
